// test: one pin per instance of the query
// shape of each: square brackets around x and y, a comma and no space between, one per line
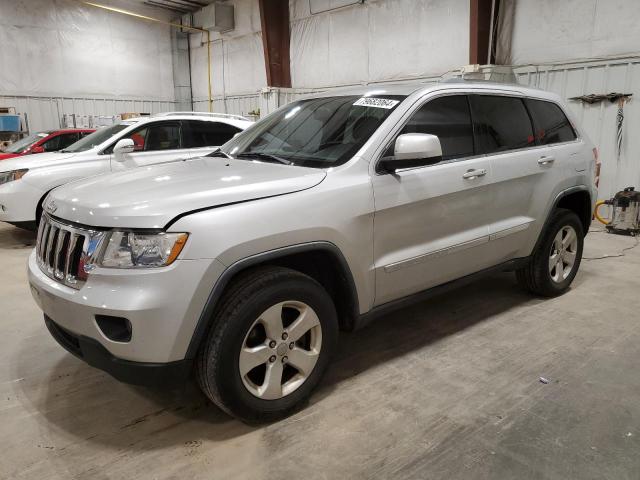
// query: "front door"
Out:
[154,143]
[432,223]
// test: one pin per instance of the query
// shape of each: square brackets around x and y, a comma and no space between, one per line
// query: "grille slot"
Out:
[62,250]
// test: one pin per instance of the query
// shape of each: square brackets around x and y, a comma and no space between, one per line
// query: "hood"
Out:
[34,161]
[150,197]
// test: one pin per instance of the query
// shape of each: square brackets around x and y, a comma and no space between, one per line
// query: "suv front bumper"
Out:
[137,373]
[162,305]
[18,202]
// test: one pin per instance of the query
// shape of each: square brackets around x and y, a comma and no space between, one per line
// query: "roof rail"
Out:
[202,114]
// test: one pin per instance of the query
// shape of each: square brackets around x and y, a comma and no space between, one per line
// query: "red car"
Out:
[48,141]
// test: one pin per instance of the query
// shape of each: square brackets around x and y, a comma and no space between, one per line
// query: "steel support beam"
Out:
[483,14]
[274,18]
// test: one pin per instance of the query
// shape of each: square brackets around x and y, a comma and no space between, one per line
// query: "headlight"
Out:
[141,250]
[6,177]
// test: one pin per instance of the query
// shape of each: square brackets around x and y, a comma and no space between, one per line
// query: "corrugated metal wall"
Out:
[234,104]
[45,113]
[621,75]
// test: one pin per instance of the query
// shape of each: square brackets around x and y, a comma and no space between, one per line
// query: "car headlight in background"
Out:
[142,250]
[6,177]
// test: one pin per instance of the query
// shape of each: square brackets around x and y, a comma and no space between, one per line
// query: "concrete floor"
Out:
[446,389]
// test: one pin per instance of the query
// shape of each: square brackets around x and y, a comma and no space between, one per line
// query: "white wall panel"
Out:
[65,48]
[599,120]
[556,31]
[378,40]
[61,57]
[237,62]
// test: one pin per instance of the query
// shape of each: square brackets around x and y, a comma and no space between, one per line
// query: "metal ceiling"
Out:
[177,6]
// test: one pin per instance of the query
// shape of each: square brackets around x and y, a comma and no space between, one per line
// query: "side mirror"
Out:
[413,150]
[126,145]
[236,134]
[37,149]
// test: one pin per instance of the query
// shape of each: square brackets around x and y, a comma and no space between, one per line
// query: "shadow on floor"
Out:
[419,326]
[12,238]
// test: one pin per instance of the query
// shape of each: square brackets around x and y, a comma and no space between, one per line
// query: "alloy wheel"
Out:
[562,256]
[280,350]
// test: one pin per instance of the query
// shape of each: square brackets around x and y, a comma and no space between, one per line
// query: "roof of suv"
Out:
[453,84]
[235,120]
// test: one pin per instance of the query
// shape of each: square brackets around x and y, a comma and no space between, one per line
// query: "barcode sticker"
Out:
[377,102]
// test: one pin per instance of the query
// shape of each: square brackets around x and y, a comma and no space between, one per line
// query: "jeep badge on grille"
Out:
[51,207]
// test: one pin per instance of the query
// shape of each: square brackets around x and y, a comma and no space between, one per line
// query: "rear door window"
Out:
[447,117]
[500,123]
[207,134]
[52,145]
[67,139]
[550,123]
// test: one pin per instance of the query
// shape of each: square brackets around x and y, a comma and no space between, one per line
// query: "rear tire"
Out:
[282,321]
[555,262]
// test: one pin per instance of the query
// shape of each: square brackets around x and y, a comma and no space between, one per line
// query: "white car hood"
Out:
[150,197]
[34,161]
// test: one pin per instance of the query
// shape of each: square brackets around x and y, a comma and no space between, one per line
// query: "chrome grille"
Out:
[63,251]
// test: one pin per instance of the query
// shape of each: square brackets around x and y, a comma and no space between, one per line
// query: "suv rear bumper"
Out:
[137,373]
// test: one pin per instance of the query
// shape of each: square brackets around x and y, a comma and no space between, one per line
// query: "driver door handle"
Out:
[474,173]
[546,160]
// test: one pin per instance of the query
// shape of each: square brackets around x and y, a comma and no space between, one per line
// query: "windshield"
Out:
[22,145]
[96,138]
[319,132]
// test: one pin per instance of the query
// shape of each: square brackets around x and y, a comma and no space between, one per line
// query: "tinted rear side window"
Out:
[67,139]
[207,134]
[449,118]
[500,123]
[550,123]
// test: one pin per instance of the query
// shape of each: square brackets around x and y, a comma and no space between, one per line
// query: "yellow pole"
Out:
[209,69]
[171,24]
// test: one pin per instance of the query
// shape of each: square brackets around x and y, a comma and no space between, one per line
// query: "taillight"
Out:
[598,165]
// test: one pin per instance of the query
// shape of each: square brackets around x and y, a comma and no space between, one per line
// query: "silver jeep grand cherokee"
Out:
[242,266]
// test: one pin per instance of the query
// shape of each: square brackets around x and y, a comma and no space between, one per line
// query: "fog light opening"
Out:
[117,329]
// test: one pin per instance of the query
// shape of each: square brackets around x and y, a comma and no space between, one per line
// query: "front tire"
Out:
[555,262]
[270,343]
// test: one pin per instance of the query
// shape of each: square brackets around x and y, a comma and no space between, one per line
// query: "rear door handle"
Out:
[546,160]
[474,173]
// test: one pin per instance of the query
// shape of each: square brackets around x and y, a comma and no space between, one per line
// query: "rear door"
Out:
[503,132]
[526,164]
[431,223]
[202,137]
[155,142]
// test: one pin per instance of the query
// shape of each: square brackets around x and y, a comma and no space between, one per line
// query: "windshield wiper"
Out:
[265,156]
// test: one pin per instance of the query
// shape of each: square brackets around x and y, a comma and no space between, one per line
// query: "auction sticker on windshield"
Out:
[377,102]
